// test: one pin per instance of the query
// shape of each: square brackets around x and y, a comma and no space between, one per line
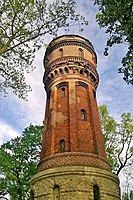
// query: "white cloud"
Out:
[7,132]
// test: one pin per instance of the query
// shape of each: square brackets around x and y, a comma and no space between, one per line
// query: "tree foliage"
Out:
[126,196]
[117,18]
[23,25]
[18,163]
[118,139]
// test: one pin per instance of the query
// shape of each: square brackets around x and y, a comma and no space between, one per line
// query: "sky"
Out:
[16,114]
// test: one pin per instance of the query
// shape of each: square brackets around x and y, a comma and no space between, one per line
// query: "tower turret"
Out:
[73,162]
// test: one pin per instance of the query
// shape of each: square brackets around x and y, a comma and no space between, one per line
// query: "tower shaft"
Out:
[73,162]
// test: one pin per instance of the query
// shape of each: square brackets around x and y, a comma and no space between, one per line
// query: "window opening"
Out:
[81,71]
[96,193]
[52,76]
[87,73]
[81,53]
[61,71]
[62,92]
[56,72]
[83,115]
[56,192]
[61,52]
[91,75]
[66,69]
[31,195]
[62,146]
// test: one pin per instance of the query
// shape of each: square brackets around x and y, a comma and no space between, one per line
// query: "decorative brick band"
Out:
[74,158]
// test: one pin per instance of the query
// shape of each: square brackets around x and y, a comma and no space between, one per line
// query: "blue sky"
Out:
[16,114]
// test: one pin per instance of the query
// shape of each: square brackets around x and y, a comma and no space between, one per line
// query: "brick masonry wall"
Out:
[63,120]
[73,158]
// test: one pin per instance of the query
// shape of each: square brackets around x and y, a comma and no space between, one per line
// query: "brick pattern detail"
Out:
[65,159]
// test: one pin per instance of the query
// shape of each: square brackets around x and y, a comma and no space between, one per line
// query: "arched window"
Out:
[83,115]
[87,73]
[62,92]
[56,192]
[56,72]
[61,52]
[31,195]
[52,76]
[81,53]
[61,71]
[96,193]
[66,69]
[62,146]
[81,72]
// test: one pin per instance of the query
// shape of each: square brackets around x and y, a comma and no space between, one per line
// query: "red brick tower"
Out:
[72,138]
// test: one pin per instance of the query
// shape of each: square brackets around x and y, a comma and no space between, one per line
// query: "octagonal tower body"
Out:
[73,162]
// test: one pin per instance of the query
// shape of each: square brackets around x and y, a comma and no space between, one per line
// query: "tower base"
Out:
[75,183]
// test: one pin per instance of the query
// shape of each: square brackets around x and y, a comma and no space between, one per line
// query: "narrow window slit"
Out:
[62,146]
[96,193]
[62,92]
[83,115]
